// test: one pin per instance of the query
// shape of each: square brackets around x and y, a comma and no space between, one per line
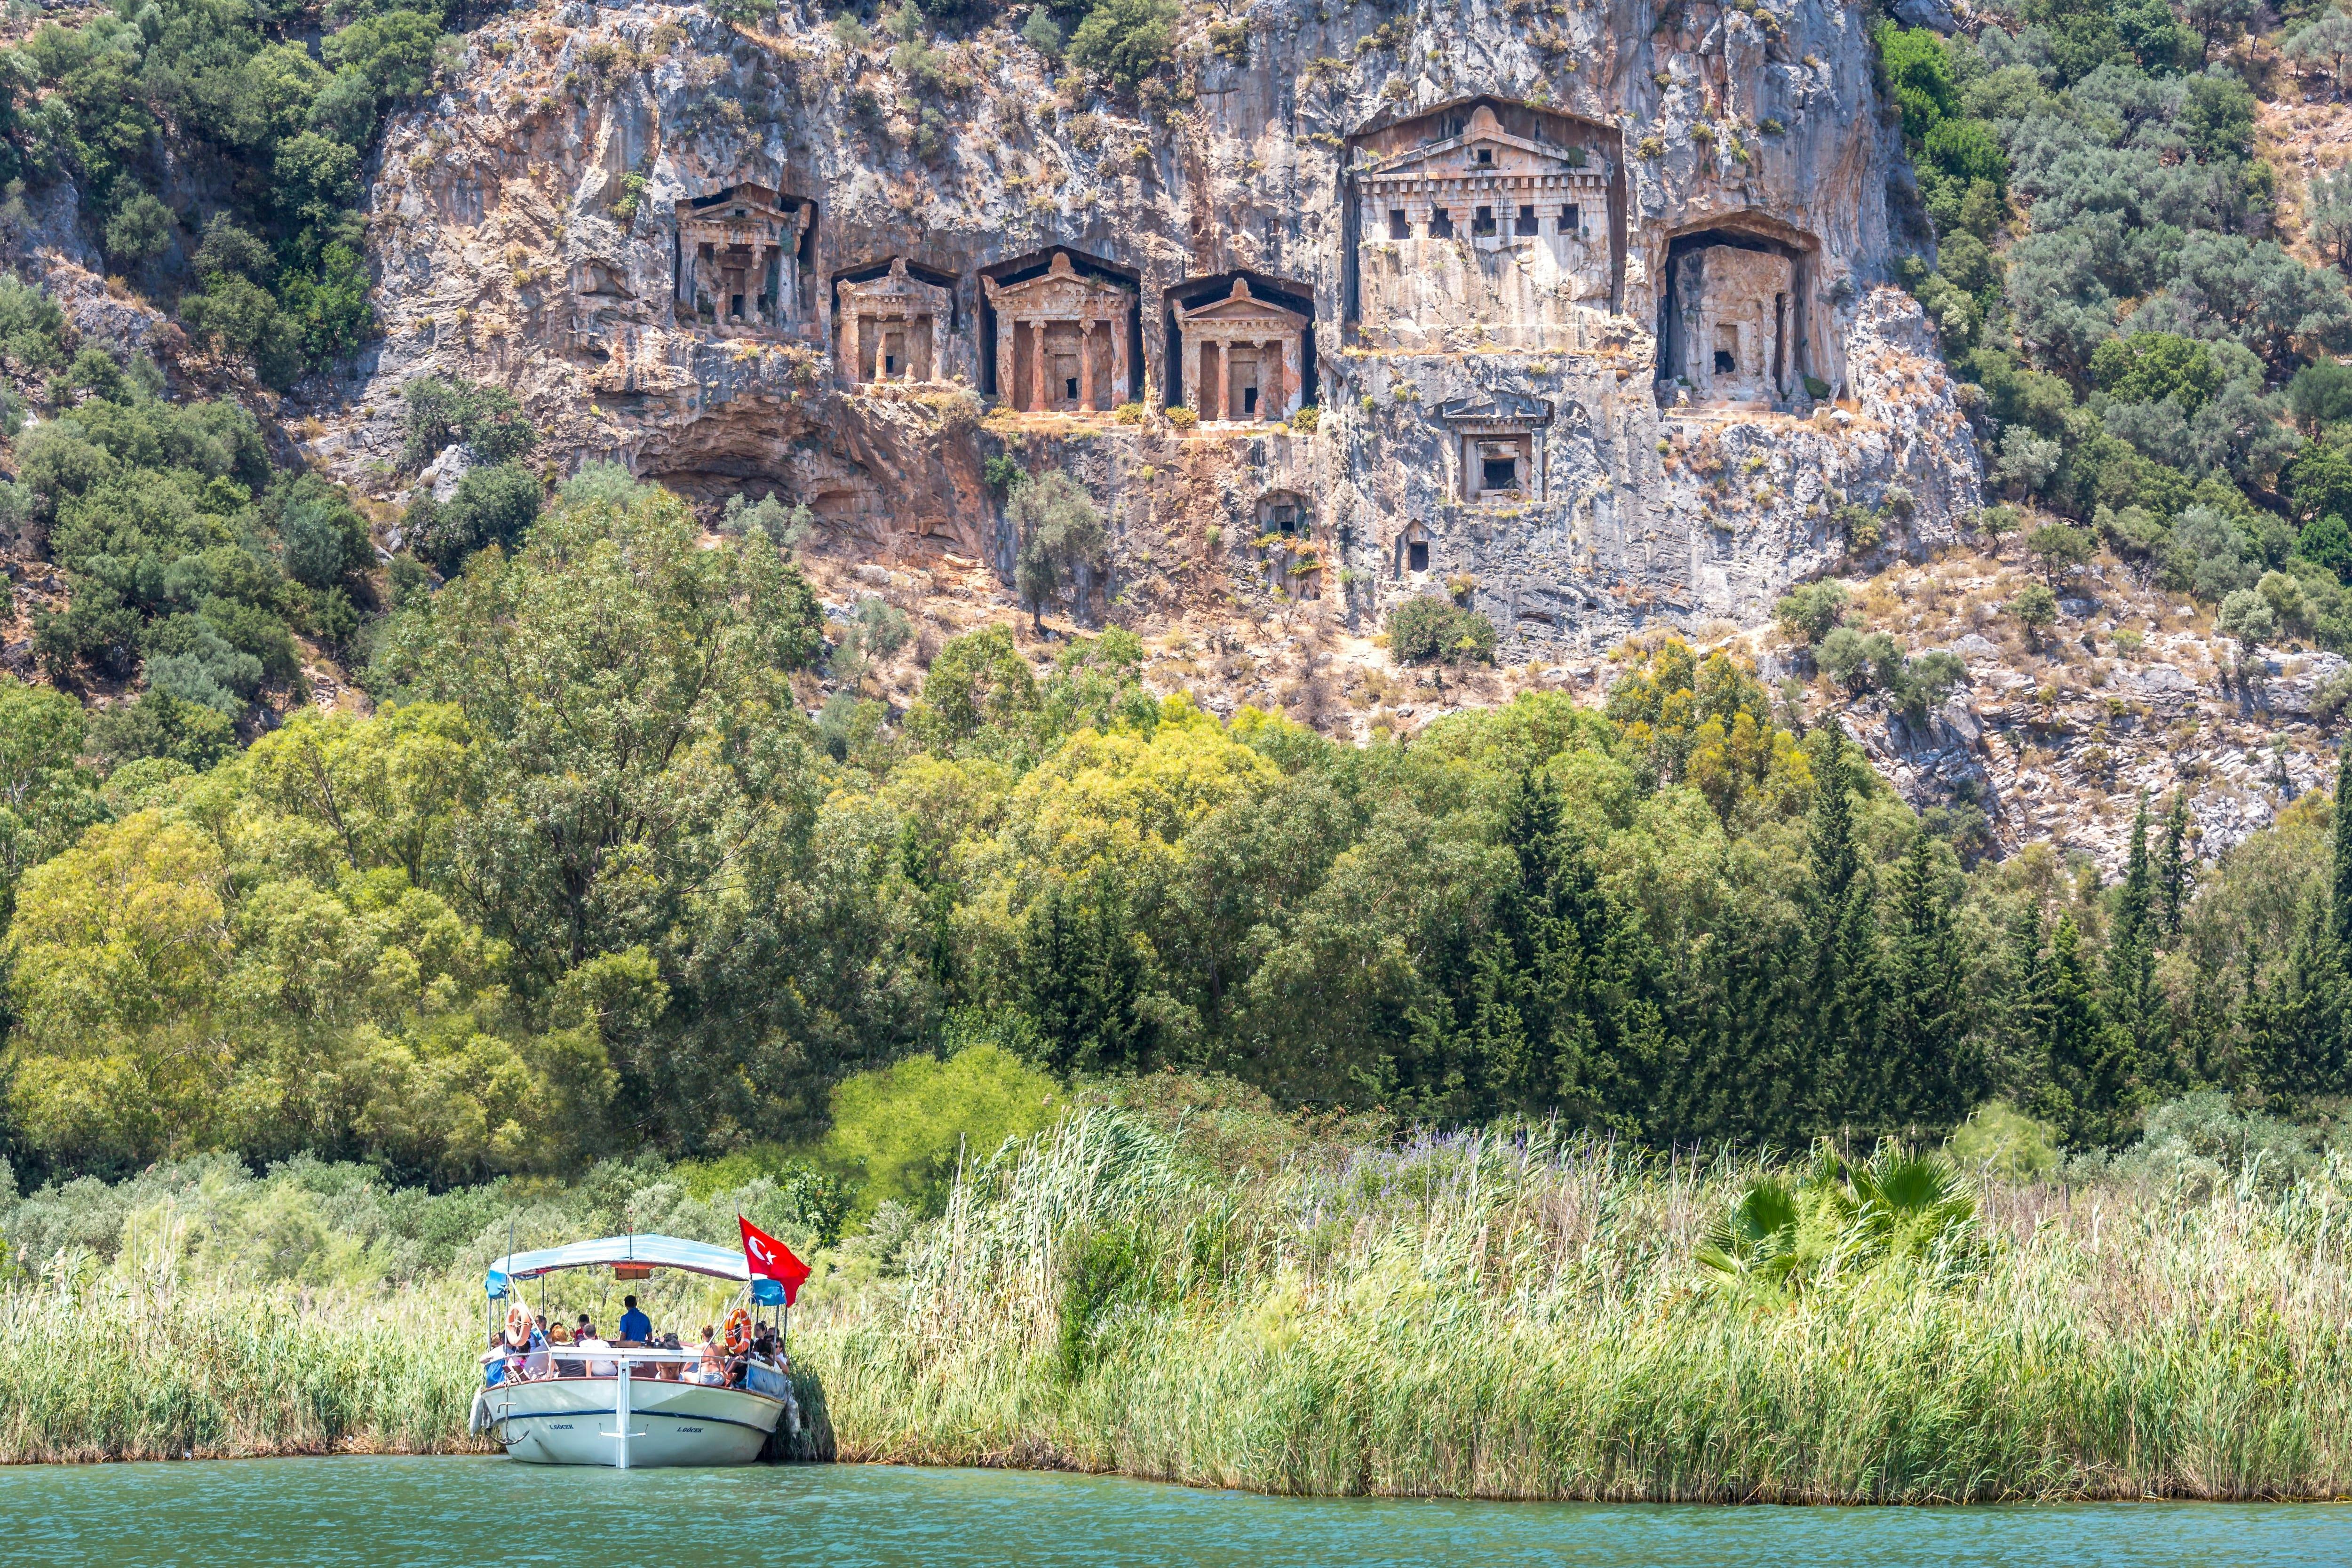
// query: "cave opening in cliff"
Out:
[1732,313]
[1240,346]
[1061,330]
[1487,169]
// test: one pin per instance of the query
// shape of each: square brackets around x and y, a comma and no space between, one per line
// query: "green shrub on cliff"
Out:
[1430,630]
[1125,40]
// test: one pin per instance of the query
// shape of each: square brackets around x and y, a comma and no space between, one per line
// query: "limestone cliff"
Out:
[1483,223]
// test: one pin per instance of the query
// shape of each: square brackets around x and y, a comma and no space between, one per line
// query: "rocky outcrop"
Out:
[526,228]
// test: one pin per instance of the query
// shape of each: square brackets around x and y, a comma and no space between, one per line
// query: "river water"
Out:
[491,1512]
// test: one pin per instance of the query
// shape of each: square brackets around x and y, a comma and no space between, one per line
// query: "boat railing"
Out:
[546,1364]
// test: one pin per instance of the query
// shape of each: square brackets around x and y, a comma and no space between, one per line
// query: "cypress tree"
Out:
[1925,1081]
[2172,868]
[2132,1005]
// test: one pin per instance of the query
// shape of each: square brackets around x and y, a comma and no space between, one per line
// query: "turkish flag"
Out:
[772,1259]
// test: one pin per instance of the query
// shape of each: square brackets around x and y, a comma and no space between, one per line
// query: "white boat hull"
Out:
[571,1421]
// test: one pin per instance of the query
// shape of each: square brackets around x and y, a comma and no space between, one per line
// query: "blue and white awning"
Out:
[654,1252]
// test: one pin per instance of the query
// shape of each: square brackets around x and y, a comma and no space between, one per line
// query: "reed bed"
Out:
[1459,1316]
[1473,1317]
[111,1369]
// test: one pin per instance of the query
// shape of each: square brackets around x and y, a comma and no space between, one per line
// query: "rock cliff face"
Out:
[1490,218]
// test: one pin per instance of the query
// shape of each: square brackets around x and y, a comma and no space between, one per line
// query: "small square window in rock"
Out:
[1070,387]
[1482,222]
[1568,223]
[1400,226]
[1440,223]
[889,364]
[1498,474]
[1527,221]
[1724,364]
[1486,155]
[1416,555]
[1285,519]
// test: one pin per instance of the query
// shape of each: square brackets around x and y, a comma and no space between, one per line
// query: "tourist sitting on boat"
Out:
[636,1329]
[497,1371]
[565,1367]
[586,1338]
[711,1369]
[670,1371]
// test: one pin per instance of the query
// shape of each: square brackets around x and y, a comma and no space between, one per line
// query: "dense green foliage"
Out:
[191,562]
[171,98]
[2106,281]
[591,882]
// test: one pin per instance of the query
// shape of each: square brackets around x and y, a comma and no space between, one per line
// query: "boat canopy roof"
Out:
[644,1251]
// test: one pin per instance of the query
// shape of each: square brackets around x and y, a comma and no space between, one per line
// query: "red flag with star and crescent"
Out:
[772,1259]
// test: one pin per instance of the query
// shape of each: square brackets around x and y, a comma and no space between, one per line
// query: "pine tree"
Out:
[2307,1054]
[1838,1076]
[2340,888]
[2172,868]
[1082,978]
[1927,1075]
[2024,1011]
[2084,1091]
[1560,1009]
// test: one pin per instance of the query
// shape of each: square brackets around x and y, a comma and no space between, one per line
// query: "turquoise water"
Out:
[493,1512]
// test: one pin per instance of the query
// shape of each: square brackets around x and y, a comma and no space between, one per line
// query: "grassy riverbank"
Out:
[1453,1316]
[126,1369]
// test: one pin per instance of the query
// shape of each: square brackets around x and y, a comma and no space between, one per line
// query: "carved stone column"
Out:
[1122,389]
[1086,366]
[1006,391]
[849,361]
[1293,375]
[1038,400]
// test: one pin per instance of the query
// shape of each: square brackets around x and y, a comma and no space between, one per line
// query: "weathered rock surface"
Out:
[525,230]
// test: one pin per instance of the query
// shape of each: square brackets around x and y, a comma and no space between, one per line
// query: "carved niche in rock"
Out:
[738,264]
[1061,339]
[1737,308]
[1241,357]
[1499,218]
[894,328]
[1498,439]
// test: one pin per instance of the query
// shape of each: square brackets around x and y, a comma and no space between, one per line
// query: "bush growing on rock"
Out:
[1125,40]
[442,410]
[1813,610]
[1431,630]
[494,505]
[2034,607]
[2246,615]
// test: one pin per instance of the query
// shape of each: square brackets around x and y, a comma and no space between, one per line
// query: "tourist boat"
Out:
[623,1405]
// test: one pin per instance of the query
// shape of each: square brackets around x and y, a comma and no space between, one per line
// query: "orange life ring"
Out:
[518,1325]
[739,1332]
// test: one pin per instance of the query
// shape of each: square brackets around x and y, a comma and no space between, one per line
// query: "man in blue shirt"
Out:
[635,1327]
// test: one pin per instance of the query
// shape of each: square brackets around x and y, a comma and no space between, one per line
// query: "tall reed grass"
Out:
[114,1369]
[1459,1315]
[1470,1316]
